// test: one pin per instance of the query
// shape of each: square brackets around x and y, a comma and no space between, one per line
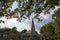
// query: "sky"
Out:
[26,23]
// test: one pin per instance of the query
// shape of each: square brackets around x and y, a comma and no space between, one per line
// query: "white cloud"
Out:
[14,23]
[3,18]
[14,5]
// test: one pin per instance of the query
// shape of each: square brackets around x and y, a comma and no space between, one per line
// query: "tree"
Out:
[14,30]
[4,5]
[48,31]
[35,6]
[56,17]
[27,7]
[52,30]
[24,31]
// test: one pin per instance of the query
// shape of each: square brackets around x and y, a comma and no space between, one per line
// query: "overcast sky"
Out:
[26,23]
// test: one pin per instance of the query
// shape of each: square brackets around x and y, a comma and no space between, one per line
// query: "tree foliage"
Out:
[53,29]
[36,6]
[4,5]
[24,31]
[48,31]
[27,7]
[13,34]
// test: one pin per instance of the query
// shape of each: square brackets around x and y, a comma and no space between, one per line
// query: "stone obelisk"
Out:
[32,27]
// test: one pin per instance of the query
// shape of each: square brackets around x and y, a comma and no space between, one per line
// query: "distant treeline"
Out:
[13,34]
